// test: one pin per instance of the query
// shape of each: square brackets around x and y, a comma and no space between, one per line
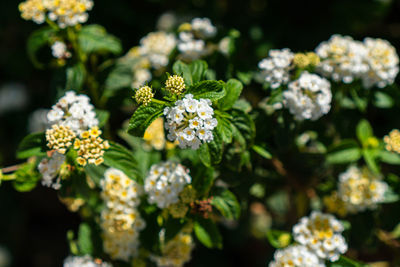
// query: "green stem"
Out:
[159,101]
[52,24]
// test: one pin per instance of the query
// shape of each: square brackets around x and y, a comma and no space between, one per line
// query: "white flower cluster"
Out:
[84,261]
[322,234]
[276,67]
[309,97]
[50,168]
[295,256]
[68,12]
[374,61]
[191,42]
[164,183]
[190,122]
[74,111]
[157,46]
[120,220]
[59,50]
[360,189]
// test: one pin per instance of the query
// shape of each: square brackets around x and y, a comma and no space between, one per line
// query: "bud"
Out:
[301,60]
[313,58]
[59,138]
[185,27]
[144,95]
[175,84]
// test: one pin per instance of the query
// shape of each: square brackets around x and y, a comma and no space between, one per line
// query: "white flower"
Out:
[68,12]
[190,122]
[275,68]
[59,50]
[50,168]
[224,46]
[74,111]
[120,220]
[191,48]
[164,183]
[383,63]
[157,46]
[309,97]
[84,261]
[360,189]
[322,234]
[203,27]
[140,77]
[295,256]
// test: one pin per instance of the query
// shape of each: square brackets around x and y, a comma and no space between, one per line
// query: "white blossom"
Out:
[322,234]
[190,122]
[275,68]
[59,50]
[157,46]
[295,256]
[140,77]
[50,168]
[164,183]
[203,28]
[190,47]
[74,111]
[84,261]
[309,97]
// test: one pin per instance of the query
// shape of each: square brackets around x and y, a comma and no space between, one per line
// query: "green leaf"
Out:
[32,145]
[198,69]
[211,153]
[233,90]
[212,90]
[75,77]
[143,117]
[207,233]
[345,152]
[262,152]
[383,100]
[346,262]
[122,159]
[390,196]
[37,40]
[203,179]
[224,129]
[183,70]
[26,177]
[85,239]
[370,156]
[102,116]
[279,239]
[389,157]
[95,39]
[226,202]
[243,128]
[364,131]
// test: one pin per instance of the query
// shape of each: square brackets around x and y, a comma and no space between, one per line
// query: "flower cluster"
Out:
[303,60]
[74,111]
[176,252]
[120,220]
[360,189]
[59,138]
[64,12]
[295,256]
[90,147]
[309,97]
[190,122]
[144,95]
[374,61]
[165,182]
[175,84]
[276,67]
[392,141]
[59,50]
[322,234]
[50,168]
[156,47]
[191,43]
[84,261]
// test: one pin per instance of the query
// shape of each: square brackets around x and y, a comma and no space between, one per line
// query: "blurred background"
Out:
[33,225]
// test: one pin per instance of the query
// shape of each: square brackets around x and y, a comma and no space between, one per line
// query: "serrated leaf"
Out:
[198,69]
[364,131]
[75,77]
[32,145]
[212,90]
[207,233]
[183,70]
[37,40]
[226,203]
[224,129]
[211,153]
[243,128]
[95,39]
[233,90]
[143,117]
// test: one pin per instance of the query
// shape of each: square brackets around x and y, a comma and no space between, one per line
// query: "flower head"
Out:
[392,141]
[50,169]
[165,182]
[175,84]
[190,122]
[59,50]
[91,147]
[295,256]
[84,261]
[157,46]
[322,234]
[144,95]
[59,138]
[33,10]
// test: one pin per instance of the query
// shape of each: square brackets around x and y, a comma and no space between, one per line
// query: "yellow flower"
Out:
[301,60]
[393,141]
[91,147]
[59,138]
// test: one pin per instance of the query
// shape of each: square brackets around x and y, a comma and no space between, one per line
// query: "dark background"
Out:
[33,225]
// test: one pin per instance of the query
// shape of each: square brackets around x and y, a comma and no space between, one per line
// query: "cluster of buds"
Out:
[144,95]
[392,141]
[90,147]
[175,84]
[202,207]
[304,60]
[59,138]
